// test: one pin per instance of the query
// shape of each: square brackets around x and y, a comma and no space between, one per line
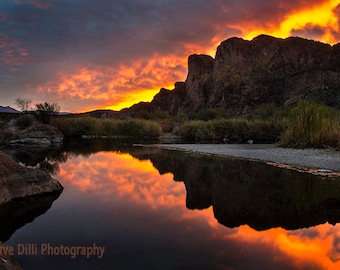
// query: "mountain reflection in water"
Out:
[135,200]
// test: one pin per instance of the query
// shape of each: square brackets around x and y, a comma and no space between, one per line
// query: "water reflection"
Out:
[244,192]
[134,201]
[16,213]
[158,205]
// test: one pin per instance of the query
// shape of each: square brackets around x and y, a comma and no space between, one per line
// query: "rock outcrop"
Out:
[26,131]
[41,135]
[17,181]
[246,74]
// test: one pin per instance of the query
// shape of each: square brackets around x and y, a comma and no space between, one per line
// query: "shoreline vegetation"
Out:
[306,125]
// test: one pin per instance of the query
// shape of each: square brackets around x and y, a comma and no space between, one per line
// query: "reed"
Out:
[312,125]
[131,128]
[233,130]
[77,126]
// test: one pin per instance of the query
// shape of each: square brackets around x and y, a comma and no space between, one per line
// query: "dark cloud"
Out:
[309,30]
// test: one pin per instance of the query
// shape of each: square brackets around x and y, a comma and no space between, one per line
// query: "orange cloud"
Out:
[320,15]
[121,174]
[114,88]
[312,248]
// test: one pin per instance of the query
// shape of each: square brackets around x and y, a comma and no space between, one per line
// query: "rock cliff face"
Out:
[246,74]
[18,182]
[267,69]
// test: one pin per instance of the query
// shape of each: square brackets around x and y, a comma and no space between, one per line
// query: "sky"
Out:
[110,54]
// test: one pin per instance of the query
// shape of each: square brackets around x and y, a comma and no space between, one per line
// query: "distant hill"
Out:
[101,113]
[8,109]
[246,74]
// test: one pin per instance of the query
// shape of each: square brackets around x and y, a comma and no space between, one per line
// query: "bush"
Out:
[24,121]
[45,111]
[206,114]
[131,128]
[86,126]
[77,126]
[312,125]
[267,111]
[190,129]
[233,130]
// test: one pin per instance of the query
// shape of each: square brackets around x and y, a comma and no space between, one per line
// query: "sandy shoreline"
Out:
[316,159]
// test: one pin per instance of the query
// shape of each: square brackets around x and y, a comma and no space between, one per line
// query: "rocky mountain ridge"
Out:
[8,109]
[245,74]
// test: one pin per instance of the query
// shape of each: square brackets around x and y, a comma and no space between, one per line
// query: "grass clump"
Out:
[24,121]
[312,125]
[131,128]
[232,130]
[78,126]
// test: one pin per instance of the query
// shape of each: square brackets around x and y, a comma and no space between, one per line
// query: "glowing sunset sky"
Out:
[86,54]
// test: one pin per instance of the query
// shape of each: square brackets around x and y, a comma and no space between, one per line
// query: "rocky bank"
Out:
[26,131]
[17,181]
[19,202]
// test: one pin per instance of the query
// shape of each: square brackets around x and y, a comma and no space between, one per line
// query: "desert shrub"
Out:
[64,125]
[266,131]
[151,129]
[156,115]
[44,111]
[312,125]
[267,111]
[85,126]
[233,130]
[190,128]
[206,114]
[24,121]
[131,128]
[77,126]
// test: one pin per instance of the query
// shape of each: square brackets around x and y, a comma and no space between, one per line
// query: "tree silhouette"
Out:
[46,110]
[23,103]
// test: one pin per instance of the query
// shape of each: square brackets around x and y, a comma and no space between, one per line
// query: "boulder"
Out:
[27,131]
[17,181]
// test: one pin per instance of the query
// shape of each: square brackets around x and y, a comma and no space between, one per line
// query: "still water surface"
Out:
[157,209]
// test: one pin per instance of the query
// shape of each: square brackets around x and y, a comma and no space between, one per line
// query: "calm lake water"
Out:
[158,209]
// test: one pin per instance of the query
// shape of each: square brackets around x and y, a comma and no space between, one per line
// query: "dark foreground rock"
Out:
[18,182]
[24,194]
